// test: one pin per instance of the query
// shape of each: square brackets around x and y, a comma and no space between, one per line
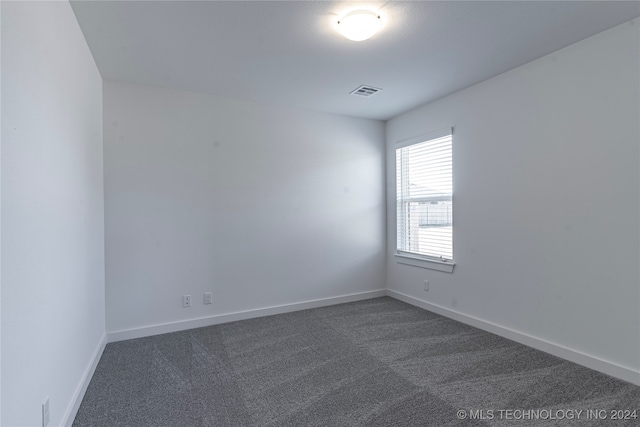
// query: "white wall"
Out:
[546,199]
[53,318]
[263,206]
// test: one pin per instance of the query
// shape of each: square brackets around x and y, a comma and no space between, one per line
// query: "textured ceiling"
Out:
[289,53]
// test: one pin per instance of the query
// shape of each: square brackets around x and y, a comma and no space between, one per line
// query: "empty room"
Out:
[320,213]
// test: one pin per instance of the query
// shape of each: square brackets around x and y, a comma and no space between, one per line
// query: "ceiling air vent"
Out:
[365,91]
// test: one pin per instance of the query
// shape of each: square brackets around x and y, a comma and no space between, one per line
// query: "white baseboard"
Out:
[164,328]
[600,365]
[76,400]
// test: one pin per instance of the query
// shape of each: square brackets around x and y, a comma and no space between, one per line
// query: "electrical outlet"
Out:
[186,301]
[208,297]
[45,413]
[426,286]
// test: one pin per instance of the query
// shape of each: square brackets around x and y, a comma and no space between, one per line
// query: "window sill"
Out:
[446,267]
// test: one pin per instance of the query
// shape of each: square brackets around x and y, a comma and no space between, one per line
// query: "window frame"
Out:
[409,258]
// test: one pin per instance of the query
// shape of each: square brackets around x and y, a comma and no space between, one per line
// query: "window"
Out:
[424,179]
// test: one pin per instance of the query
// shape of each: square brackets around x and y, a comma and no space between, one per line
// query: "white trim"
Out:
[438,133]
[431,264]
[183,325]
[592,362]
[76,400]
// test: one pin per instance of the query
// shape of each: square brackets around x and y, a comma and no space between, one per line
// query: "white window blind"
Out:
[424,177]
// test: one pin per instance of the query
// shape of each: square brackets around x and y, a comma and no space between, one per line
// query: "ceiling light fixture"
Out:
[359,25]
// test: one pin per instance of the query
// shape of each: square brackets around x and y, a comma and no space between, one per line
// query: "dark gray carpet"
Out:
[379,362]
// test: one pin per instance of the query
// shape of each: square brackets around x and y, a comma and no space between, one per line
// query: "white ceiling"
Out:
[289,52]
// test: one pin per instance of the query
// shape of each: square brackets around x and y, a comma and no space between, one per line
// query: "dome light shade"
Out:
[359,25]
